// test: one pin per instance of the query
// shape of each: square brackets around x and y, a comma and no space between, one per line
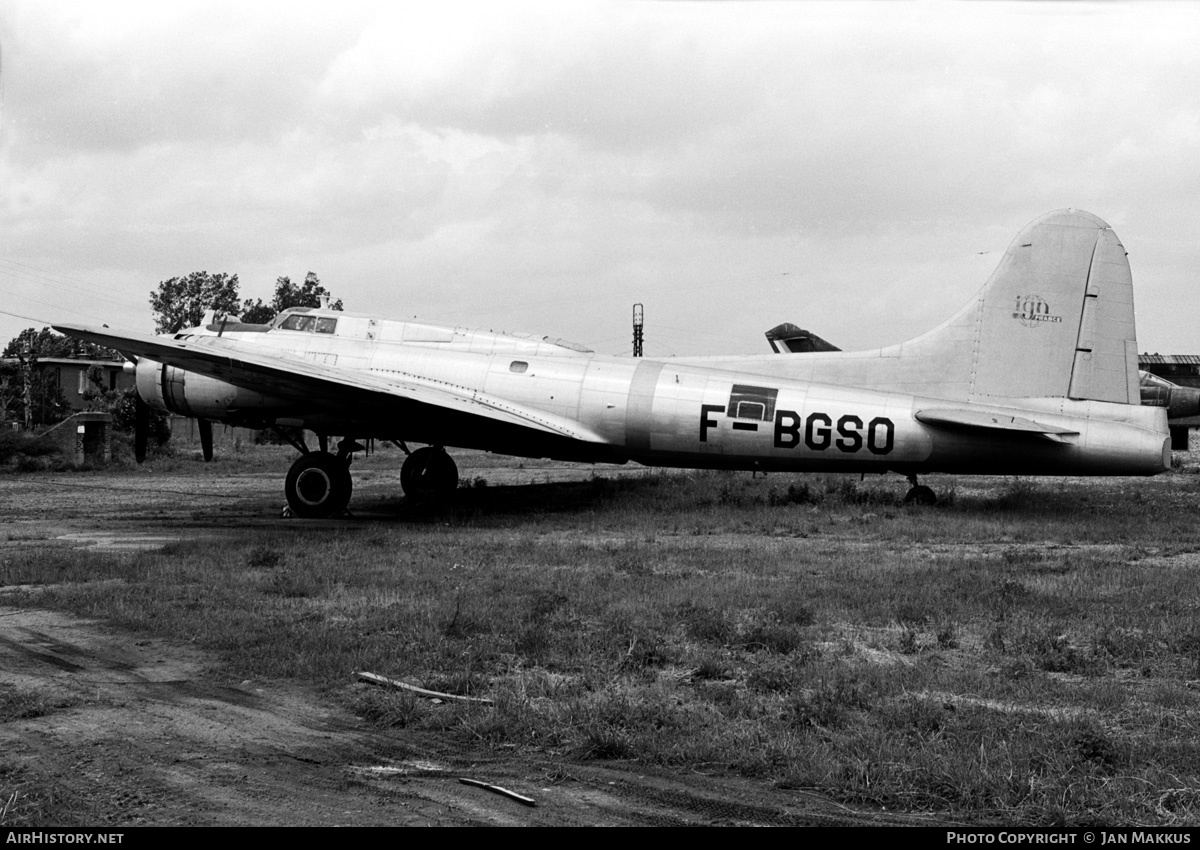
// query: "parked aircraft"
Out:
[1036,375]
[1182,405]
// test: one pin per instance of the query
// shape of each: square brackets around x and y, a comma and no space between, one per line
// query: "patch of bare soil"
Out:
[139,732]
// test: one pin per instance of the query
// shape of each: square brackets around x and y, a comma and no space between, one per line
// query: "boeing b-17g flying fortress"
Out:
[1036,375]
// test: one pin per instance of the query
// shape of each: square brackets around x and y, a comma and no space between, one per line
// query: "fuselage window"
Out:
[518,366]
[751,410]
[754,403]
[325,325]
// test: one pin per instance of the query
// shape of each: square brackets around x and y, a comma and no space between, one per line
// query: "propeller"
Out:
[141,427]
[206,438]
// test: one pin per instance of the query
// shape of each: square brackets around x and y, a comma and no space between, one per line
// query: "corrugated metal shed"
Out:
[1182,369]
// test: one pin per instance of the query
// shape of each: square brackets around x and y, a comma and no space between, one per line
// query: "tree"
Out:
[287,294]
[182,301]
[20,380]
[123,405]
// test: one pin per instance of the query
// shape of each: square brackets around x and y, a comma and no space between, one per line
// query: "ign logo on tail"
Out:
[1032,311]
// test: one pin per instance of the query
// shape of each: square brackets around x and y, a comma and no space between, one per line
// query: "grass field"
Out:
[1026,652]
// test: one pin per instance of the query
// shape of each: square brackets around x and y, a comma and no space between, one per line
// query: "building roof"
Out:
[68,361]
[1169,359]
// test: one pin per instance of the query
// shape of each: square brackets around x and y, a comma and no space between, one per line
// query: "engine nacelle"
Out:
[174,390]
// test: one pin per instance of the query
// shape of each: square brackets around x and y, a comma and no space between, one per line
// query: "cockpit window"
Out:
[312,324]
[298,323]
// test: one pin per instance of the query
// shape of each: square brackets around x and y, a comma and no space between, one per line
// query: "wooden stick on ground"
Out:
[376,679]
[512,795]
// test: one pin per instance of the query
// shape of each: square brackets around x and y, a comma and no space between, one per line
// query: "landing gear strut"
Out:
[429,474]
[919,494]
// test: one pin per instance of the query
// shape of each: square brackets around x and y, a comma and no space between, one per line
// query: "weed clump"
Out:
[947,637]
[263,556]
[831,703]
[1053,652]
[645,652]
[391,709]
[27,800]
[848,492]
[796,494]
[1096,749]
[711,668]
[18,704]
[705,624]
[773,679]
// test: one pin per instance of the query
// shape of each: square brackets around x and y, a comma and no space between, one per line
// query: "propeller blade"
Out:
[206,438]
[141,427]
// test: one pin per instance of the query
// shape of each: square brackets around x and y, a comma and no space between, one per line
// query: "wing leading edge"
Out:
[281,375]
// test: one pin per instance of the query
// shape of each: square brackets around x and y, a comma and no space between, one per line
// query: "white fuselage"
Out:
[742,414]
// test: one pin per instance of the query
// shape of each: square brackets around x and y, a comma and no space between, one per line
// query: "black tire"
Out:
[920,495]
[429,474]
[318,485]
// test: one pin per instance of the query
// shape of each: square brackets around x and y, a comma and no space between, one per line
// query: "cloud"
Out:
[471,160]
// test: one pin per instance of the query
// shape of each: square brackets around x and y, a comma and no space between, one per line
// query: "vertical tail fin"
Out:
[1055,320]
[1056,317]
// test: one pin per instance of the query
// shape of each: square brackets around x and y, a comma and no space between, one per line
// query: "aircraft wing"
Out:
[982,420]
[319,385]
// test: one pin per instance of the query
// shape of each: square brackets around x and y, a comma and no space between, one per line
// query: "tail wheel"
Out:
[920,495]
[429,473]
[318,485]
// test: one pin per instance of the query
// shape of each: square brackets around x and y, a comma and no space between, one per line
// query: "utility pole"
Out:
[637,330]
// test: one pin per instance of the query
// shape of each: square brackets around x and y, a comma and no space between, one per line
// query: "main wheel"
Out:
[318,485]
[920,495]
[428,473]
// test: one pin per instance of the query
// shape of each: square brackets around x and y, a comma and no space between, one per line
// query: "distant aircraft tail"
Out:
[1055,319]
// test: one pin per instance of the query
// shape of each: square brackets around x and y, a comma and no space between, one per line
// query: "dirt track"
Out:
[147,732]
[143,735]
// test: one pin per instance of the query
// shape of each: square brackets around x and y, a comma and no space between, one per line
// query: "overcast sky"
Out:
[855,169]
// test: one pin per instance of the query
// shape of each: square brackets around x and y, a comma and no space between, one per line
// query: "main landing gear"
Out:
[429,475]
[919,494]
[319,485]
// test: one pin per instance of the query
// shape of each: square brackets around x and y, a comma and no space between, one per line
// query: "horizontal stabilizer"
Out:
[981,420]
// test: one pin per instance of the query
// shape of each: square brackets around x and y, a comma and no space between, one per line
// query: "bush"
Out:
[27,451]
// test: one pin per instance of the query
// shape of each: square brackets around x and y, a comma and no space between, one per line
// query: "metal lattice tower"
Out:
[637,330]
